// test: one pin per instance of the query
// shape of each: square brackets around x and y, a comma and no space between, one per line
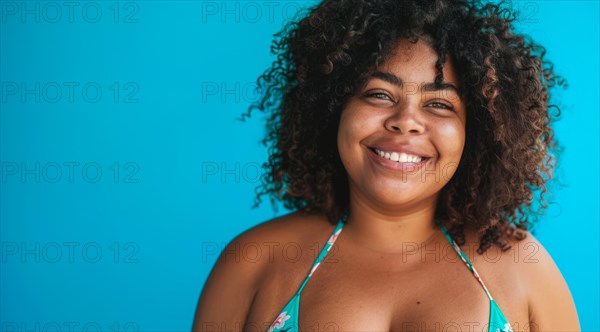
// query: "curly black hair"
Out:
[505,82]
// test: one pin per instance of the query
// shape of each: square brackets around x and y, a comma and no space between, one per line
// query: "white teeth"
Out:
[399,157]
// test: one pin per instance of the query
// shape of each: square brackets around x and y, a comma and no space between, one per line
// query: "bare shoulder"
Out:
[551,305]
[294,225]
[279,244]
[232,284]
[527,268]
[250,248]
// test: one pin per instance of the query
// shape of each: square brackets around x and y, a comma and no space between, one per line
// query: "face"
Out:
[418,127]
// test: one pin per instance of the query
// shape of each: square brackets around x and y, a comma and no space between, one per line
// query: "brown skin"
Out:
[390,268]
[390,292]
[390,206]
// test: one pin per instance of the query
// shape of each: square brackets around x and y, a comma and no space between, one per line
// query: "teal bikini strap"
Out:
[466,260]
[326,248]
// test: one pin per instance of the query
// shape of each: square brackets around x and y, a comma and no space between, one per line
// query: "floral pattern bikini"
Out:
[287,320]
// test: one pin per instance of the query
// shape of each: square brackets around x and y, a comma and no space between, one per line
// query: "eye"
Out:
[379,95]
[437,104]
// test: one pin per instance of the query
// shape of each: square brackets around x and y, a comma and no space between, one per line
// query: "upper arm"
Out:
[230,288]
[551,306]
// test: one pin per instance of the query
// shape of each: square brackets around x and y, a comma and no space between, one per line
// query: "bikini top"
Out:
[287,320]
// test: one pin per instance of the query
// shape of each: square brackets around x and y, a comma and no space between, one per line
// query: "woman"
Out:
[410,136]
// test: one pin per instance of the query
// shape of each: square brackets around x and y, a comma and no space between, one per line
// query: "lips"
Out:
[399,148]
[400,157]
[396,166]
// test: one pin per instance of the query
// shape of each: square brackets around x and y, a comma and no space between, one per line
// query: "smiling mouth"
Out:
[400,157]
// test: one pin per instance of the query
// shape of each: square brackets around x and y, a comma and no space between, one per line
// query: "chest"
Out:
[383,293]
[374,296]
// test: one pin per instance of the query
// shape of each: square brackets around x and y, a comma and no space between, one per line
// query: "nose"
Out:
[405,118]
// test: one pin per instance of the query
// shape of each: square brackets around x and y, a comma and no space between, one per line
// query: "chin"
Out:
[396,196]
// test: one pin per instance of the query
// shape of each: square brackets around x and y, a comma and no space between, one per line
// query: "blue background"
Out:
[164,176]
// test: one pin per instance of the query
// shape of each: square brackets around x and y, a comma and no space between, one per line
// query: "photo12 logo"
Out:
[71,326]
[54,92]
[69,252]
[69,11]
[68,171]
[252,11]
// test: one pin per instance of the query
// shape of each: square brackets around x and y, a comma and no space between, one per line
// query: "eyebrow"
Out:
[395,80]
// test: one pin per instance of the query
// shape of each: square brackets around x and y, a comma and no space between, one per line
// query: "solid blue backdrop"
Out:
[124,171]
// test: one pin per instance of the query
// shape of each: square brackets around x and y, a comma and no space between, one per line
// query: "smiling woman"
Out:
[405,130]
[410,137]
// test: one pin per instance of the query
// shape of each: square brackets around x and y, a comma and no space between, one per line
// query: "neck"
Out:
[391,230]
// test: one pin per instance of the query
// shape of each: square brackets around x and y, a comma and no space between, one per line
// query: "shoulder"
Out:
[551,305]
[291,230]
[256,248]
[294,224]
[232,284]
[529,268]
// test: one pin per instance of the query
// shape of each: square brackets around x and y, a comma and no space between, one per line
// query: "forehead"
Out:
[415,63]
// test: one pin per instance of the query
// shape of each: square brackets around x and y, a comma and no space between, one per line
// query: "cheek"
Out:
[351,127]
[345,137]
[451,139]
